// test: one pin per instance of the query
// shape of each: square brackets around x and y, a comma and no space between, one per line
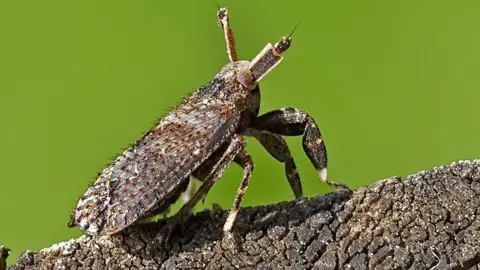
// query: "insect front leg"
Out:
[237,144]
[278,148]
[294,122]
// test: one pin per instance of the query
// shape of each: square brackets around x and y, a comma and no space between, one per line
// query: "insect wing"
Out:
[146,173]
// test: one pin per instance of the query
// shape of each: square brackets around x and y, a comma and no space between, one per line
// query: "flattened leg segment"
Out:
[278,148]
[294,122]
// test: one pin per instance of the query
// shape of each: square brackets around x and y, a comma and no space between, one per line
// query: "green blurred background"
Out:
[394,86]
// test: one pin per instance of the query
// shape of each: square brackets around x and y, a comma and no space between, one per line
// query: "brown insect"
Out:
[200,138]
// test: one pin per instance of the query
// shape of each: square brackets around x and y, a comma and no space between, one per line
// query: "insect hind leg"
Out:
[294,122]
[245,161]
[236,145]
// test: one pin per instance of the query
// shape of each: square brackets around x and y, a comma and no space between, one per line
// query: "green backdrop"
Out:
[394,86]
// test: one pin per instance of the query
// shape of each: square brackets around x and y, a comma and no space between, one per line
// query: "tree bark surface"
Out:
[429,220]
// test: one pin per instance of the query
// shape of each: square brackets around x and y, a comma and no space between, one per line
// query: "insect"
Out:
[200,138]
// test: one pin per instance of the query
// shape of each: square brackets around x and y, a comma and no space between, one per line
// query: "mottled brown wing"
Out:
[146,173]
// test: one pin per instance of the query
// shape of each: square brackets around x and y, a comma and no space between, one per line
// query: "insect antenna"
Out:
[294,28]
[223,21]
[270,56]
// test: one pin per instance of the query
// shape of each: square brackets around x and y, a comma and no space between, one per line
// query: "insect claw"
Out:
[338,185]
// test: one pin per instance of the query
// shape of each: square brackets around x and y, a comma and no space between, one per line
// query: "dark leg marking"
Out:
[237,144]
[278,148]
[294,122]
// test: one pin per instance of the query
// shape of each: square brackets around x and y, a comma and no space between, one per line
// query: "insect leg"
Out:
[236,145]
[245,161]
[187,195]
[206,169]
[223,21]
[278,148]
[294,122]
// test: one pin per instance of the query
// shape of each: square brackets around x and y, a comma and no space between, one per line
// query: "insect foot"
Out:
[228,242]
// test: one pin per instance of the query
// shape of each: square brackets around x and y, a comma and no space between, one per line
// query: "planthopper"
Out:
[199,138]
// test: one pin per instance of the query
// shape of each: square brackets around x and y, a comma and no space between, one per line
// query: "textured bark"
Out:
[432,219]
[3,257]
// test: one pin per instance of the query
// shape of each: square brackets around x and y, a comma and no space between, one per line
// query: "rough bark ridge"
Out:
[432,219]
[3,257]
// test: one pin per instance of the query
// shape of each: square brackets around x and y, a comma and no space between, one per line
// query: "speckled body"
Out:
[200,138]
[151,174]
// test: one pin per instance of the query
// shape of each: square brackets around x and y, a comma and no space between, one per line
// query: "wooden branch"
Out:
[3,257]
[432,219]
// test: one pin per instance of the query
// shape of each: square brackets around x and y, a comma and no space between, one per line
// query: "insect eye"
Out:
[245,77]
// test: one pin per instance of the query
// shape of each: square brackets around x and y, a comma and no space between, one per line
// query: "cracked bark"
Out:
[432,219]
